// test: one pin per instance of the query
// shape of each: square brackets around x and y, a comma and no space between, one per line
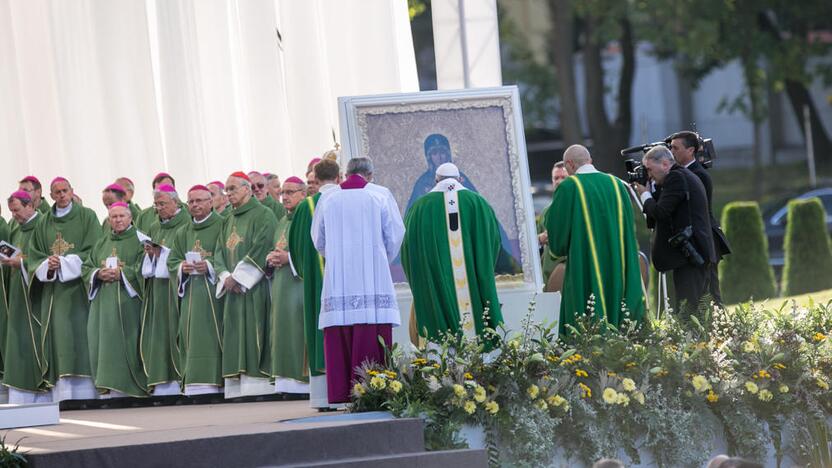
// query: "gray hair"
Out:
[173,195]
[272,177]
[361,166]
[659,154]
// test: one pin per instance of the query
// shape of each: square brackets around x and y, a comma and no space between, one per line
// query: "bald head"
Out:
[576,156]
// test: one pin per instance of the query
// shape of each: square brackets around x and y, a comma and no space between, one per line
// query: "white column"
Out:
[466,39]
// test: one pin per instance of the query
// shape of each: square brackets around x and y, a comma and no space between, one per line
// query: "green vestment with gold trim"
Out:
[115,317]
[246,238]
[594,228]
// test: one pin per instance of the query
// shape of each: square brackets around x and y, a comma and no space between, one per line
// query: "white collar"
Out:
[34,215]
[203,219]
[61,212]
[326,187]
[691,162]
[587,169]
[448,185]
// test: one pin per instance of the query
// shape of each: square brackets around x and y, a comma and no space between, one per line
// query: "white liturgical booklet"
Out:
[111,262]
[193,257]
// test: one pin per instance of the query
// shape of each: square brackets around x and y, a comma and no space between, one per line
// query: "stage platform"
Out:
[285,433]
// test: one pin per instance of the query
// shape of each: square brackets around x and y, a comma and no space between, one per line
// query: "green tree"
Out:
[746,273]
[808,265]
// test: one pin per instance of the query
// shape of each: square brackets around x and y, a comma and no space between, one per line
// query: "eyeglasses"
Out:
[260,186]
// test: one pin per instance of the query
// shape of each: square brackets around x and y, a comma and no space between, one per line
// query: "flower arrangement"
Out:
[661,386]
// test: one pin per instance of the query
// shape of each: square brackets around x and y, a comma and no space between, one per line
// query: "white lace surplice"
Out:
[358,232]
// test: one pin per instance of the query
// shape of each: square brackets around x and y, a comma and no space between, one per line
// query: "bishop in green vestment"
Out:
[287,344]
[31,185]
[160,316]
[449,254]
[111,194]
[310,268]
[148,215]
[240,255]
[62,241]
[24,362]
[113,278]
[199,335]
[594,229]
[260,189]
[549,261]
[219,199]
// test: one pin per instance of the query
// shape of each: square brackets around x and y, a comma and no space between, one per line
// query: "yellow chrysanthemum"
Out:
[468,376]
[819,336]
[479,394]
[541,404]
[533,391]
[555,400]
[581,373]
[492,407]
[610,396]
[419,362]
[712,397]
[778,365]
[751,387]
[378,383]
[700,383]
[783,388]
[459,390]
[749,347]
[628,384]
[622,399]
[359,389]
[372,372]
[765,395]
[586,392]
[395,386]
[822,384]
[639,397]
[390,374]
[469,407]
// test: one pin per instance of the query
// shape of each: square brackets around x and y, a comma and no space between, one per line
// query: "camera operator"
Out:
[682,240]
[684,145]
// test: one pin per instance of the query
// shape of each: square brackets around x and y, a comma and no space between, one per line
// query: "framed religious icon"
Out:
[481,131]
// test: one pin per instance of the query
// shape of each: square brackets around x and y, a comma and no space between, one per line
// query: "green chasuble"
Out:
[277,208]
[310,267]
[288,351]
[145,219]
[160,314]
[594,229]
[246,238]
[547,260]
[427,260]
[64,307]
[115,315]
[4,295]
[43,208]
[199,334]
[24,364]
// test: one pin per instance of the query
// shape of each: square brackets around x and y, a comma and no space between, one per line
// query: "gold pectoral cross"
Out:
[60,246]
[233,240]
[198,249]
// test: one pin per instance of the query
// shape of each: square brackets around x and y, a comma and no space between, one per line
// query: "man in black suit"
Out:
[684,146]
[680,203]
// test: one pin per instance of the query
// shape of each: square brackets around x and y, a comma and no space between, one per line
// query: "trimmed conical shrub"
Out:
[745,273]
[808,255]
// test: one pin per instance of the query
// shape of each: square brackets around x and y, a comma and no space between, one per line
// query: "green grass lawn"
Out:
[818,297]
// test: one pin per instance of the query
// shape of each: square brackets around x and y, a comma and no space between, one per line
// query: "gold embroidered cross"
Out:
[198,249]
[60,246]
[281,243]
[233,240]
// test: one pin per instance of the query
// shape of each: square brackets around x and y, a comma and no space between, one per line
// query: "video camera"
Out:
[635,170]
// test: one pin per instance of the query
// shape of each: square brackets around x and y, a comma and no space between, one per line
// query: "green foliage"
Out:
[808,265]
[745,274]
[10,457]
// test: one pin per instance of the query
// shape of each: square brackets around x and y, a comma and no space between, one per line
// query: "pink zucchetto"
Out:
[30,178]
[198,187]
[58,179]
[22,196]
[312,163]
[218,184]
[166,189]
[119,204]
[162,175]
[115,188]
[294,180]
